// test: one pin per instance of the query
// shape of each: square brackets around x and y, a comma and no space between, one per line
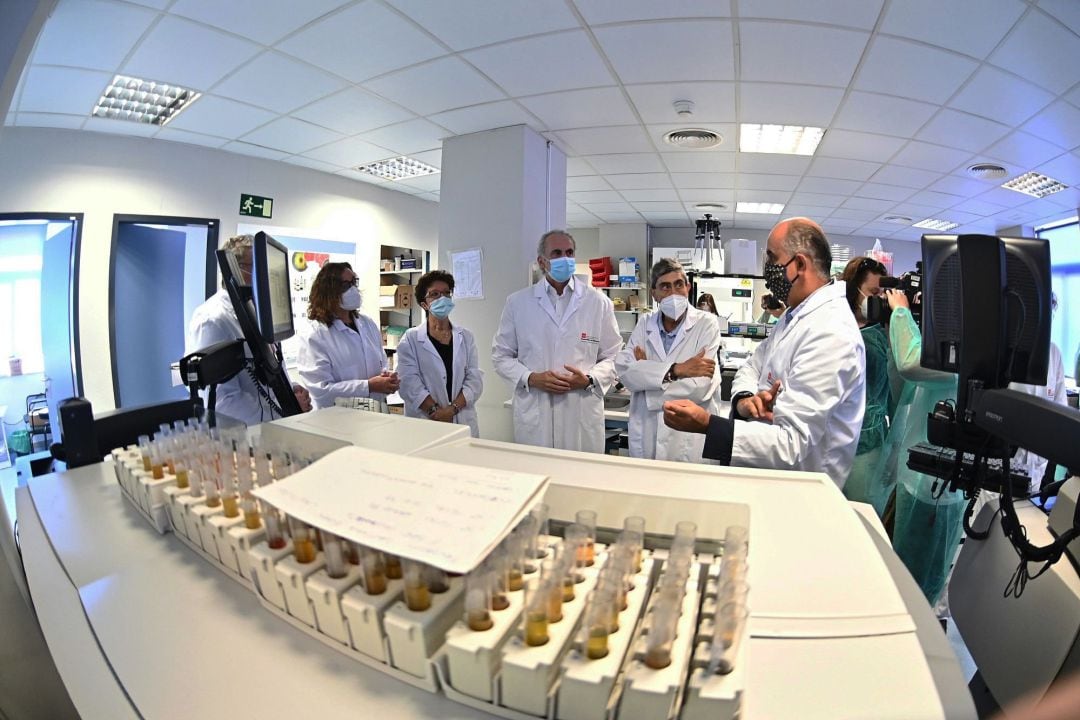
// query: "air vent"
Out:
[692,139]
[898,219]
[986,171]
[710,206]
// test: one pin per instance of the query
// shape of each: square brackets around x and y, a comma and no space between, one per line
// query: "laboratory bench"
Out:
[141,626]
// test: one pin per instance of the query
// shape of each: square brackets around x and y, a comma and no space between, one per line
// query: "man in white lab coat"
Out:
[214,322]
[798,403]
[556,346]
[671,355]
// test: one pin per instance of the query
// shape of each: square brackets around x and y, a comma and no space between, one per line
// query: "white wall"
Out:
[587,243]
[46,170]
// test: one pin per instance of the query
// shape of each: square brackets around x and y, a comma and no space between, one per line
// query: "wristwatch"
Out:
[433,409]
[592,383]
[670,374]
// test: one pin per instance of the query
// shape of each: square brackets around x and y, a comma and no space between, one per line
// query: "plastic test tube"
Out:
[436,579]
[393,567]
[247,501]
[727,635]
[478,599]
[183,481]
[275,538]
[736,538]
[574,540]
[665,616]
[536,617]
[541,512]
[228,493]
[374,569]
[209,478]
[303,543]
[335,555]
[144,452]
[417,596]
[685,535]
[587,518]
[514,550]
[596,628]
[634,534]
[551,580]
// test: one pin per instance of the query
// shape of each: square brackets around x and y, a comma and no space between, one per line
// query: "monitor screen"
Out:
[270,277]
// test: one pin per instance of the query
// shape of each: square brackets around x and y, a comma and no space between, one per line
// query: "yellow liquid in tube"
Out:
[231,508]
[536,628]
[393,567]
[171,465]
[146,465]
[251,519]
[182,479]
[214,501]
[596,646]
[499,601]
[554,606]
[479,620]
[304,551]
[658,658]
[417,597]
[158,471]
[515,582]
[374,582]
[567,589]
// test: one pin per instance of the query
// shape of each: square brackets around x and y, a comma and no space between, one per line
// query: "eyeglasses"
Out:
[355,282]
[436,294]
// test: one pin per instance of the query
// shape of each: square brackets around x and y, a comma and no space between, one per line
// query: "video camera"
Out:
[910,283]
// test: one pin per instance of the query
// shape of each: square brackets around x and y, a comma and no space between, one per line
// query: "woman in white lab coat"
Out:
[342,356]
[438,363]
[681,365]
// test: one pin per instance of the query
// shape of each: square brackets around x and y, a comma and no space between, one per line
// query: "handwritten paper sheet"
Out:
[467,266]
[443,514]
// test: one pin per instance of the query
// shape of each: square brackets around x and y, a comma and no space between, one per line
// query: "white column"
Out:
[500,191]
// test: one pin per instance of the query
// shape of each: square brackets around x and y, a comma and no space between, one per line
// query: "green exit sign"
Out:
[257,206]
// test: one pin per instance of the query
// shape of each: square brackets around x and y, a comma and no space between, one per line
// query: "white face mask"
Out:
[351,299]
[673,306]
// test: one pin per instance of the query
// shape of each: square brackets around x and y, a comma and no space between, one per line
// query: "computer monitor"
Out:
[998,288]
[270,279]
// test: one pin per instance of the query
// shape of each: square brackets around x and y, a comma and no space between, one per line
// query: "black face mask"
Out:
[776,280]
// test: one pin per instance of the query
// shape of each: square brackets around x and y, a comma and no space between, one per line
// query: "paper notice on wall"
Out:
[467,267]
[443,514]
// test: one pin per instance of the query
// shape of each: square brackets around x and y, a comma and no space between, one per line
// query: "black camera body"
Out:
[910,283]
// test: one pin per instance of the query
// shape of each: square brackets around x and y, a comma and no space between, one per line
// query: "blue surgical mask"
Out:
[562,268]
[442,307]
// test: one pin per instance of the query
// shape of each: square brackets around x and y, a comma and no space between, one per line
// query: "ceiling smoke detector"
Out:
[693,139]
[986,171]
[685,108]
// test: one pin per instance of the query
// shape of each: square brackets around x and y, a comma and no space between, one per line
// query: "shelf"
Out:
[406,311]
[629,312]
[624,289]
[400,272]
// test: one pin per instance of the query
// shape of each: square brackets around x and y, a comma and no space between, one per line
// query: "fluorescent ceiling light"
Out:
[399,168]
[934,224]
[142,101]
[757,207]
[785,139]
[1035,185]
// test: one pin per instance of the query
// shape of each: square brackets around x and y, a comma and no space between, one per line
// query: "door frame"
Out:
[212,226]
[73,268]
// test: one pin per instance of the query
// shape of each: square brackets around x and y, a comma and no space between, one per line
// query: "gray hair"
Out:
[664,266]
[806,237]
[541,247]
[237,243]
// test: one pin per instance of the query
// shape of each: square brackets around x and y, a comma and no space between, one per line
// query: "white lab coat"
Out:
[530,339]
[1054,391]
[214,322]
[649,436]
[423,373]
[335,361]
[817,353]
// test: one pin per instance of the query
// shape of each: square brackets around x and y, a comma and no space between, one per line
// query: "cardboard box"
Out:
[396,296]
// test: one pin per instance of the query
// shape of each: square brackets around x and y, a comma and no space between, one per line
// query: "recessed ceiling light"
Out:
[758,207]
[710,206]
[898,219]
[1035,185]
[142,101]
[399,168]
[693,138]
[934,224]
[785,139]
[987,171]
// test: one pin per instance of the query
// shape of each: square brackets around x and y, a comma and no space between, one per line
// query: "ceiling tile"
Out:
[586,182]
[883,114]
[436,86]
[845,169]
[264,21]
[978,207]
[484,117]
[1068,199]
[771,163]
[363,177]
[651,195]
[963,186]
[166,54]
[834,186]
[983,96]
[51,120]
[408,137]
[1005,198]
[910,70]
[427,183]
[597,12]
[905,176]
[243,148]
[670,51]
[660,207]
[577,166]
[930,157]
[852,13]
[1064,169]
[885,192]
[1059,124]
[934,199]
[965,26]
[765,196]
[349,152]
[962,130]
[754,181]
[119,127]
[549,63]
[278,83]
[778,52]
[608,207]
[1066,11]
[352,111]
[218,116]
[183,136]
[714,102]
[640,181]
[581,108]
[362,41]
[1024,52]
[705,181]
[701,162]
[859,146]
[62,90]
[156,4]
[793,209]
[860,203]
[629,163]
[861,216]
[916,210]
[599,141]
[465,24]
[594,196]
[620,217]
[1023,150]
[91,34]
[312,163]
[782,104]
[822,200]
[291,135]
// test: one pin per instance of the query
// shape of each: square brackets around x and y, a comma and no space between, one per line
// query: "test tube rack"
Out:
[139,487]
